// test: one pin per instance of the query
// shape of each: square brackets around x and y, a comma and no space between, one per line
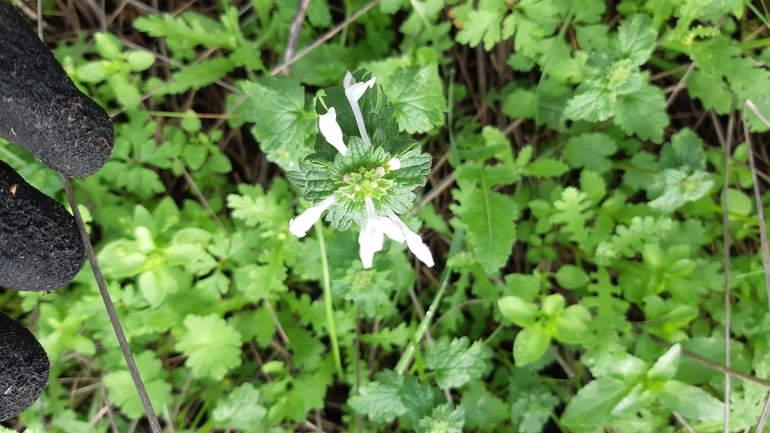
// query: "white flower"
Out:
[299,227]
[330,129]
[372,230]
[374,227]
[354,91]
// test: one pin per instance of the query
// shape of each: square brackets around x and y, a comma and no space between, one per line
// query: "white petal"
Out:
[394,164]
[370,239]
[413,240]
[355,91]
[418,247]
[390,230]
[330,129]
[299,227]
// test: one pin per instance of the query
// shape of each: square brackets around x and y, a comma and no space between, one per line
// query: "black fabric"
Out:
[24,368]
[40,247]
[41,110]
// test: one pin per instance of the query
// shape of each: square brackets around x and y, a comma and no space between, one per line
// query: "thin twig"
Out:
[281,332]
[758,197]
[326,36]
[762,228]
[714,365]
[680,85]
[683,422]
[129,357]
[294,29]
[726,145]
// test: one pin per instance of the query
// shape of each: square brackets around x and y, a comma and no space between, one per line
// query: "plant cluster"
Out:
[521,216]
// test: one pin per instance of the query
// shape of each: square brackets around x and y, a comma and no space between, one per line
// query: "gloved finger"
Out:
[24,368]
[41,248]
[41,110]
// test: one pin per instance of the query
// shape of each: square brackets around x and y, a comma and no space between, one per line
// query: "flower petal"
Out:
[355,91]
[419,248]
[413,240]
[390,230]
[370,240]
[394,164]
[330,129]
[299,227]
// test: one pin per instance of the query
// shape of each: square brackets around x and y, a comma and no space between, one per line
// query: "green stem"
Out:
[328,299]
[408,355]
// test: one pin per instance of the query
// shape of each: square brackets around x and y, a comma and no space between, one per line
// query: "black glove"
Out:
[42,111]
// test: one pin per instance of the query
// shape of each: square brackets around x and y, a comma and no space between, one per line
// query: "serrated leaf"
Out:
[277,107]
[454,362]
[380,399]
[212,346]
[636,39]
[642,113]
[675,187]
[590,151]
[240,410]
[489,218]
[123,393]
[418,98]
[481,25]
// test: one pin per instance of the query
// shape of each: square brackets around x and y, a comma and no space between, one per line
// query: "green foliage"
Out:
[570,192]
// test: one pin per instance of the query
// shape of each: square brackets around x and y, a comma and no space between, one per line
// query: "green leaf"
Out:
[675,187]
[380,399]
[517,311]
[643,113]
[571,277]
[530,344]
[553,305]
[443,419]
[369,289]
[532,410]
[212,346]
[240,410]
[198,75]
[636,39]
[690,402]
[277,107]
[191,27]
[140,60]
[454,362]
[123,393]
[590,151]
[418,98]
[546,168]
[638,399]
[489,218]
[481,25]
[483,409]
[665,367]
[572,211]
[155,284]
[593,404]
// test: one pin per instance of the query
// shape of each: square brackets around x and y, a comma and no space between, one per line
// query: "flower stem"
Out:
[408,355]
[327,286]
